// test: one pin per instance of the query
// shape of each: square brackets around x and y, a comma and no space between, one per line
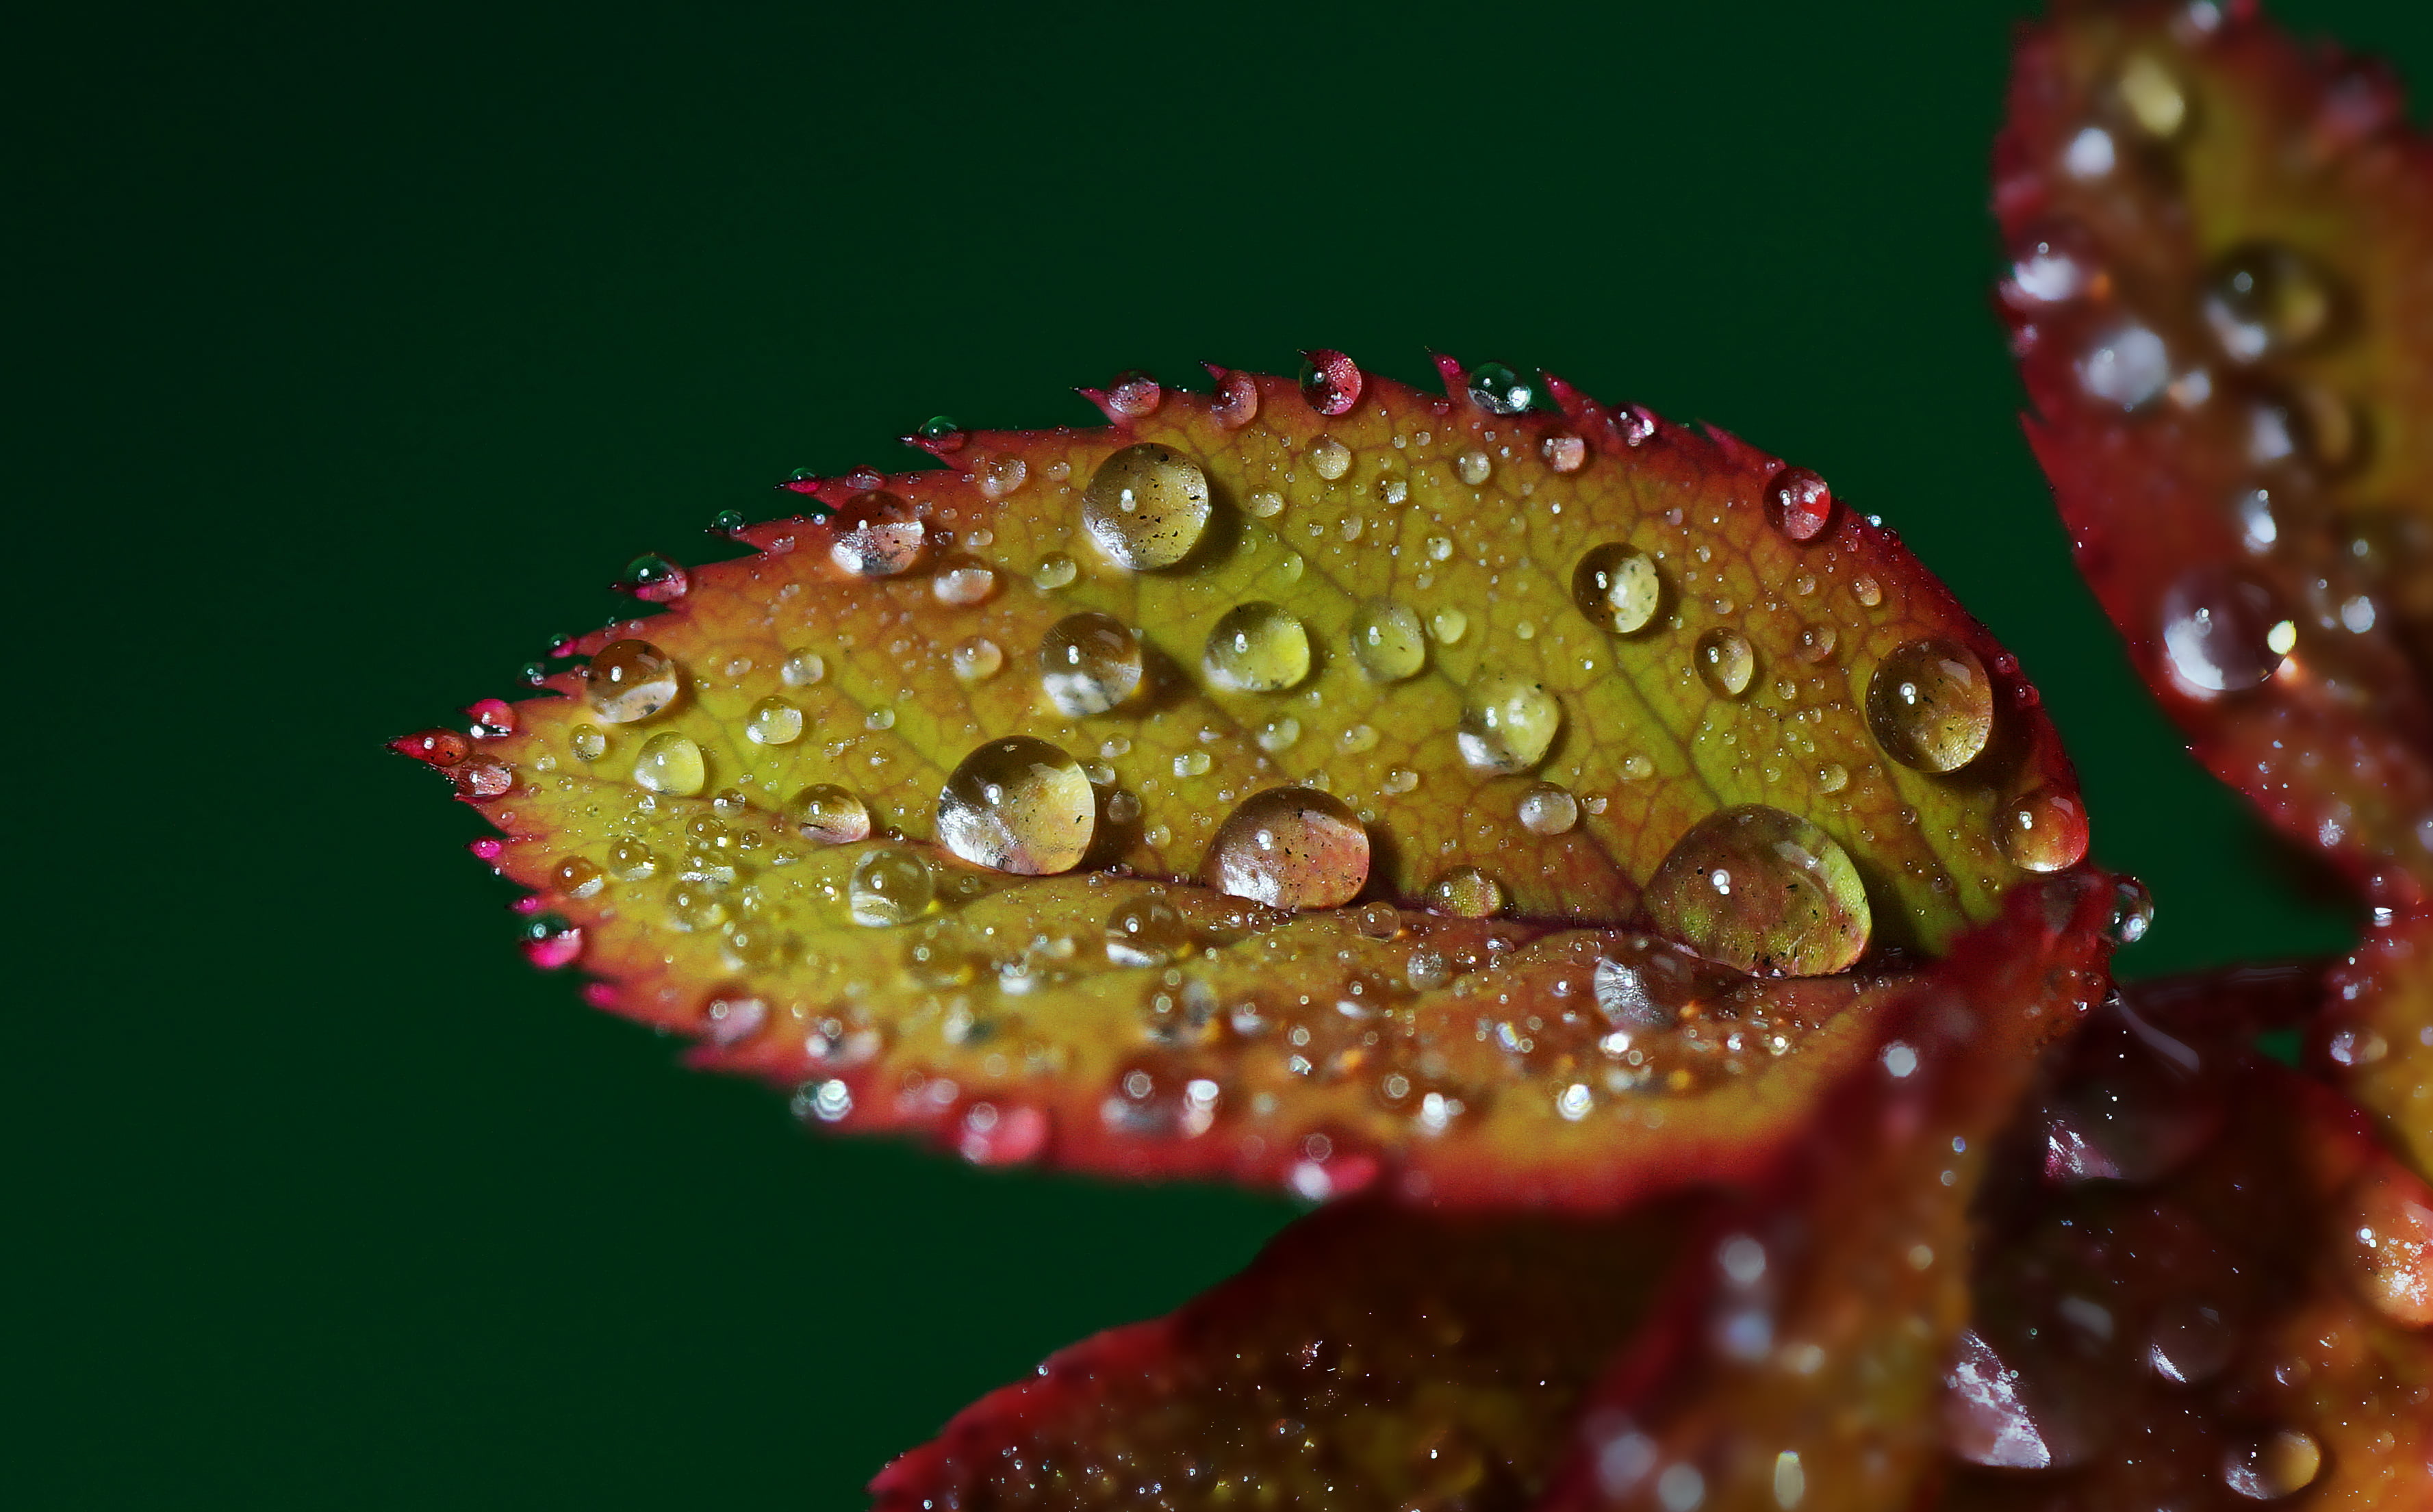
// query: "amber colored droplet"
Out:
[1726,662]
[1759,890]
[629,680]
[1930,706]
[2043,830]
[1145,932]
[1018,805]
[671,764]
[1291,848]
[878,534]
[578,878]
[828,814]
[890,886]
[1619,588]
[2265,299]
[1507,721]
[1798,504]
[1257,648]
[1146,507]
[1466,892]
[1089,663]
[2281,1463]
[2387,1224]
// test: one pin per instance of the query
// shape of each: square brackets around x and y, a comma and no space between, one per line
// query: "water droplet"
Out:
[1329,458]
[773,721]
[629,680]
[2265,299]
[1234,402]
[1618,587]
[630,861]
[1798,504]
[1018,805]
[1257,648]
[1192,764]
[1466,892]
[2053,264]
[828,814]
[943,430]
[1726,661]
[975,660]
[727,522]
[1866,590]
[2153,97]
[1134,394]
[1474,468]
[2224,631]
[801,668]
[1291,848]
[1546,808]
[578,878]
[1985,1420]
[550,941]
[587,741]
[672,764]
[2090,154]
[1089,663]
[2133,912]
[1330,381]
[1279,734]
[1499,390]
[1564,451]
[1758,890]
[1386,640]
[2128,366]
[1448,625]
[877,535]
[1507,721]
[1930,706]
[1266,504]
[1055,571]
[2043,830]
[2279,1464]
[653,579]
[963,581]
[888,885]
[1145,932]
[1146,507]
[879,719]
[1002,475]
[2388,1221]
[2189,1343]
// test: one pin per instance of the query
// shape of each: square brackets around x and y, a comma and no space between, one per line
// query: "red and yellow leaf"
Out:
[1797,1360]
[1279,784]
[2221,297]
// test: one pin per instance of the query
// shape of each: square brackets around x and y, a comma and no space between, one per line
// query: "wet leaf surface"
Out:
[2220,292]
[1796,1358]
[1300,783]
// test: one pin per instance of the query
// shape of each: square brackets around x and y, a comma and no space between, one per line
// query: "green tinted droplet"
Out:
[629,680]
[1291,848]
[1089,663]
[1387,641]
[1758,890]
[1018,805]
[828,814]
[1466,892]
[2133,912]
[1507,721]
[1499,390]
[1726,662]
[1618,587]
[1257,648]
[1146,507]
[890,886]
[671,764]
[1930,706]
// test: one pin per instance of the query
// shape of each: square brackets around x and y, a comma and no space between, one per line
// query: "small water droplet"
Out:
[1146,507]
[1564,451]
[878,536]
[1546,808]
[1089,663]
[1833,777]
[2189,1343]
[2153,97]
[2224,631]
[1930,706]
[1866,590]
[1386,640]
[801,668]
[1234,402]
[1192,764]
[1499,390]
[1466,892]
[2090,154]
[1055,571]
[1133,394]
[1018,805]
[1279,734]
[1448,625]
[888,885]
[1330,381]
[1145,932]
[2043,830]
[1266,504]
[1619,588]
[587,741]
[963,581]
[882,717]
[1291,848]
[2386,1219]
[2053,264]
[1474,468]
[629,680]
[672,764]
[828,814]
[1257,648]
[1799,503]
[1002,475]
[2128,366]
[977,660]
[2265,299]
[1726,661]
[1758,890]
[1329,458]
[2133,912]
[773,721]
[1507,721]
[2278,1464]
[653,579]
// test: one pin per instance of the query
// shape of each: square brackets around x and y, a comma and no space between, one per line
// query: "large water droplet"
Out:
[2224,631]
[1758,890]
[878,536]
[1387,641]
[2387,1217]
[890,886]
[1089,663]
[2265,299]
[2043,830]
[1930,706]
[671,764]
[828,814]
[1257,648]
[1507,721]
[1799,503]
[1618,587]
[1018,805]
[1147,507]
[629,680]
[1291,848]
[1726,661]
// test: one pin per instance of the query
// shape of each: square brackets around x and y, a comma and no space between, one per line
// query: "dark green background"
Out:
[356,351]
